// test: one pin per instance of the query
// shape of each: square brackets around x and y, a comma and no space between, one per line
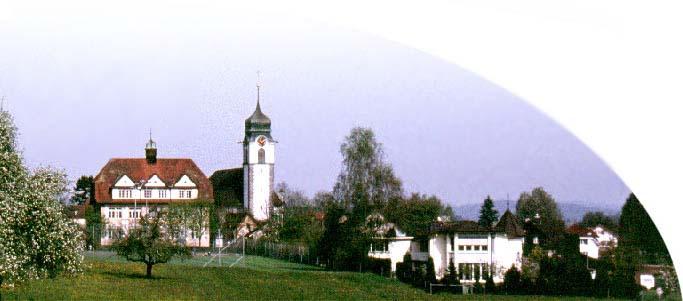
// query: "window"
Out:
[148,194]
[133,213]
[115,213]
[182,194]
[484,248]
[261,156]
[468,248]
[476,248]
[584,241]
[461,248]
[124,193]
[189,194]
[162,194]
[424,245]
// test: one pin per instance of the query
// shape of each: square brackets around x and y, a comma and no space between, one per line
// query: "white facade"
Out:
[258,176]
[392,248]
[476,254]
[120,218]
[589,246]
[469,252]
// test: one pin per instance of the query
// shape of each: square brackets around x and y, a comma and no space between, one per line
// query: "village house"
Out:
[474,250]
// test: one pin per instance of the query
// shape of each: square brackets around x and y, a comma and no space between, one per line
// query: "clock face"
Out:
[261,140]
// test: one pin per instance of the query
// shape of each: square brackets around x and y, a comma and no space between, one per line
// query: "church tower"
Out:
[259,162]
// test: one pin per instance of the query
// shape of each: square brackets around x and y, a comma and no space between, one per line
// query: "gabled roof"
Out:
[508,224]
[138,169]
[581,231]
[458,227]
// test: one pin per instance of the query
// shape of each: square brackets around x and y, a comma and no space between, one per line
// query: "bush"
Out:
[490,286]
[513,279]
[380,267]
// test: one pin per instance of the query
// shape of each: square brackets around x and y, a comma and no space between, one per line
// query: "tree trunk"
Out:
[149,270]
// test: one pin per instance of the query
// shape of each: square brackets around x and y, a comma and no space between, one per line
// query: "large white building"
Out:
[126,188]
[473,249]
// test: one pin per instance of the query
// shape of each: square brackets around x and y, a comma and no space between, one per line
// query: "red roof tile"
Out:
[581,231]
[168,170]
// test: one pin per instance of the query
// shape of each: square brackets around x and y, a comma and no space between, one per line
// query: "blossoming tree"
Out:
[36,239]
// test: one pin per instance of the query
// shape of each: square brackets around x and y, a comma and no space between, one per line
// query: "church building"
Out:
[126,188]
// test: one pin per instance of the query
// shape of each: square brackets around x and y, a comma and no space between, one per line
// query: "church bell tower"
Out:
[259,162]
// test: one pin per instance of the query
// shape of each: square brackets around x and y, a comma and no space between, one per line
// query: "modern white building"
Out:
[394,245]
[474,250]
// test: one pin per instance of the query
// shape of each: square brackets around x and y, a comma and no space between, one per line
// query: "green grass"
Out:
[255,278]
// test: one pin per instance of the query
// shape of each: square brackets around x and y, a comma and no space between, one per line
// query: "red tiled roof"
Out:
[581,231]
[168,170]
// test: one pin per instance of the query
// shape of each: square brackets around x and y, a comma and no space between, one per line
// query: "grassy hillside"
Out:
[255,278]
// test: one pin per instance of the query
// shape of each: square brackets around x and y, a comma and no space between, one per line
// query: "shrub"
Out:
[512,282]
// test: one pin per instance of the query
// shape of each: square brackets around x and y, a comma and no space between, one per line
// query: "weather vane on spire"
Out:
[258,86]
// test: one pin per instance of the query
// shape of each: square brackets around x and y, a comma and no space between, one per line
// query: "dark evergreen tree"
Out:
[637,232]
[430,273]
[488,215]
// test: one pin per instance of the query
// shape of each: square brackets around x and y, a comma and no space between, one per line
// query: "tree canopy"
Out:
[36,238]
[538,201]
[594,219]
[148,243]
[365,179]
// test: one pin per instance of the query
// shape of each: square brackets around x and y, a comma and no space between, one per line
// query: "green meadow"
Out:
[107,277]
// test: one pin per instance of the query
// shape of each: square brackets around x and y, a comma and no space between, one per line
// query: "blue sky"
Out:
[87,89]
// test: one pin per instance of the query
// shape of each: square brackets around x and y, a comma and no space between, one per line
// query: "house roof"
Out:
[458,227]
[581,231]
[508,224]
[137,169]
[228,187]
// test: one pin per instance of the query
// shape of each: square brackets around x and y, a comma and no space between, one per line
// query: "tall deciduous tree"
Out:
[539,202]
[147,243]
[365,176]
[415,214]
[488,215]
[36,239]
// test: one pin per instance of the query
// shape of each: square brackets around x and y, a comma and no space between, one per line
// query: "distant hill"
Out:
[570,211]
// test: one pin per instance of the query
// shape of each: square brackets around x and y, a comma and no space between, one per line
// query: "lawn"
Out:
[253,278]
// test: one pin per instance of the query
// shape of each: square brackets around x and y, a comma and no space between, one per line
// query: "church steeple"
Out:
[257,123]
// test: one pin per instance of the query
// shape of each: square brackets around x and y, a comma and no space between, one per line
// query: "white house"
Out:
[589,244]
[476,250]
[473,249]
[393,245]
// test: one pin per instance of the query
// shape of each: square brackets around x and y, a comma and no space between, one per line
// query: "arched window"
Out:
[261,156]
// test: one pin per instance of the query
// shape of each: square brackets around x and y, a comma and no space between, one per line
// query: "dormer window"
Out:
[125,193]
